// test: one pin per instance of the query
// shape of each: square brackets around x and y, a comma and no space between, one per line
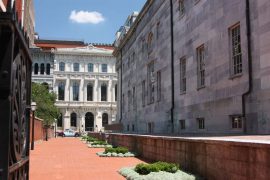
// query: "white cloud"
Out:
[86,17]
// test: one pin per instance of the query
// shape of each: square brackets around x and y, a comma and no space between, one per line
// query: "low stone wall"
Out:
[212,159]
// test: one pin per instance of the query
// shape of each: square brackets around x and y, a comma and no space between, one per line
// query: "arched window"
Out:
[90,67]
[105,119]
[48,69]
[75,91]
[62,66]
[150,41]
[103,92]
[115,92]
[61,91]
[42,68]
[36,68]
[73,120]
[89,92]
[76,67]
[60,120]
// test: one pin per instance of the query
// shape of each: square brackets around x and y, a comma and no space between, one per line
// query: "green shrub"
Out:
[145,169]
[117,150]
[91,139]
[99,143]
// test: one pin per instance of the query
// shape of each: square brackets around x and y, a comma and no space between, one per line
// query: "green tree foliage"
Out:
[45,100]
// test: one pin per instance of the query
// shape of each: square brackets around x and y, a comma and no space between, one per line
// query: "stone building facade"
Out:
[84,80]
[196,67]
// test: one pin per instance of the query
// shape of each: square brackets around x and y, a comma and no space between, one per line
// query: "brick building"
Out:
[196,67]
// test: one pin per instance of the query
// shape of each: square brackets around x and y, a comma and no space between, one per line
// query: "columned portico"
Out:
[88,104]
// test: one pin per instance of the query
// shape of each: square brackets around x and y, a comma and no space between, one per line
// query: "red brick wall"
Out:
[40,130]
[212,159]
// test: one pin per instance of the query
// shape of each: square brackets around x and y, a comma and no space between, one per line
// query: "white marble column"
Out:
[81,92]
[67,90]
[66,120]
[109,91]
[96,94]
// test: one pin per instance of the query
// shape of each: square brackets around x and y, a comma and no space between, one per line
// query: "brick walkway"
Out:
[70,159]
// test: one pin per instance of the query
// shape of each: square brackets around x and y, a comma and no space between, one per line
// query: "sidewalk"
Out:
[70,159]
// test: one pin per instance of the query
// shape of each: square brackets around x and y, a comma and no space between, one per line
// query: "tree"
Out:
[45,100]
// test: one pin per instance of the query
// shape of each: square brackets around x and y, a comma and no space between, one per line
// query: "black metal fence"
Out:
[15,91]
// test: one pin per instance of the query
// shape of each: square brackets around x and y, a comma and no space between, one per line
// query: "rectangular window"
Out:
[151,82]
[150,127]
[115,92]
[129,100]
[183,83]
[76,67]
[201,66]
[236,122]
[134,98]
[128,127]
[104,68]
[181,7]
[182,124]
[143,93]
[158,85]
[123,102]
[133,127]
[200,122]
[90,67]
[236,52]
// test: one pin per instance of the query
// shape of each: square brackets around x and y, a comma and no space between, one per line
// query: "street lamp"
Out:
[33,108]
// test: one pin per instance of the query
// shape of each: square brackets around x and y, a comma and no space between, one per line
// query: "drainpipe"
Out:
[121,80]
[172,66]
[249,64]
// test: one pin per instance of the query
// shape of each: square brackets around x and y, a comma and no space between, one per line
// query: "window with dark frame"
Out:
[133,127]
[150,42]
[75,91]
[60,120]
[143,93]
[104,67]
[61,91]
[236,52]
[236,122]
[158,85]
[128,127]
[76,67]
[201,66]
[183,83]
[42,68]
[129,100]
[48,69]
[134,98]
[103,92]
[200,122]
[62,66]
[90,67]
[182,124]
[181,7]
[151,82]
[73,120]
[89,92]
[36,68]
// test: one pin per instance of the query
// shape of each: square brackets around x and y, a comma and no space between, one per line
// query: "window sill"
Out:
[201,87]
[235,76]
[183,93]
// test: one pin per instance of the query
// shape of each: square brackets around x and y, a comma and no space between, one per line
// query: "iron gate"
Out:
[15,91]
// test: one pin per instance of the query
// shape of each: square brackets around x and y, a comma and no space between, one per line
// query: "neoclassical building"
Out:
[85,82]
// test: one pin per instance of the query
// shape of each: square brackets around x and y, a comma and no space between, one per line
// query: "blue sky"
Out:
[93,21]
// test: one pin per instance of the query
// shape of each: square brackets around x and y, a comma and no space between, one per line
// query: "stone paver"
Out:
[70,159]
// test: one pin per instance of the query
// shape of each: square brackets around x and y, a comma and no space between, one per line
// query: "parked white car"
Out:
[69,133]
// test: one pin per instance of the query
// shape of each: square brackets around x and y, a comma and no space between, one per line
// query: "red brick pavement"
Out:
[70,159]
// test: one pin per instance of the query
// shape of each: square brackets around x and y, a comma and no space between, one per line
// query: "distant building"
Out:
[196,67]
[83,77]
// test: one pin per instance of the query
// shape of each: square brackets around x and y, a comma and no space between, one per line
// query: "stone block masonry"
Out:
[211,158]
